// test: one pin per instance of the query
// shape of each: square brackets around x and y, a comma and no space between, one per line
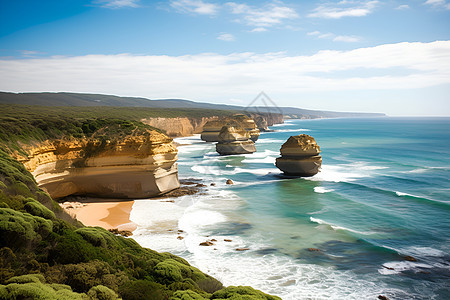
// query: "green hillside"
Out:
[46,254]
[78,99]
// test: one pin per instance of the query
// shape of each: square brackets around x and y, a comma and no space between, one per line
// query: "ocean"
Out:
[349,232]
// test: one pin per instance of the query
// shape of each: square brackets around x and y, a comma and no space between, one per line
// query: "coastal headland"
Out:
[46,252]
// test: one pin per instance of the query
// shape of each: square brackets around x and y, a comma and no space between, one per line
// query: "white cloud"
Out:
[195,6]
[227,37]
[344,8]
[117,3]
[334,37]
[258,29]
[29,53]
[438,3]
[214,77]
[346,38]
[266,16]
[403,7]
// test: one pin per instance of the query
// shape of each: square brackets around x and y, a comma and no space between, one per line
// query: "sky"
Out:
[348,55]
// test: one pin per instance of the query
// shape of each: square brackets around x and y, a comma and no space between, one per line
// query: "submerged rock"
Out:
[207,243]
[300,156]
[234,140]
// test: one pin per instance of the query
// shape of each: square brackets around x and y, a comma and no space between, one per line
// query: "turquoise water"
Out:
[383,194]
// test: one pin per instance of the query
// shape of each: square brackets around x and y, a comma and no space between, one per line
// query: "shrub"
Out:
[187,295]
[72,248]
[84,276]
[18,229]
[97,236]
[36,278]
[143,289]
[37,209]
[242,292]
[101,292]
[36,290]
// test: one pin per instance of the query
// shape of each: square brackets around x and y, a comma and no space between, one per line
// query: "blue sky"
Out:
[385,56]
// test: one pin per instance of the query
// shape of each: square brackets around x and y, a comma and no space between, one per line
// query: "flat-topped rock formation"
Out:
[234,140]
[139,166]
[300,156]
[212,128]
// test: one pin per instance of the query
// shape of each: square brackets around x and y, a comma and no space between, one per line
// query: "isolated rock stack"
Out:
[248,124]
[234,140]
[300,156]
[212,128]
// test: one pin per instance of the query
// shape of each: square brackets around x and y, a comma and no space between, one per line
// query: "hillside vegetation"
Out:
[79,99]
[29,123]
[45,254]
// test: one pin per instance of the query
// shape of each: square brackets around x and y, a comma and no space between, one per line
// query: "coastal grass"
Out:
[25,124]
[46,254]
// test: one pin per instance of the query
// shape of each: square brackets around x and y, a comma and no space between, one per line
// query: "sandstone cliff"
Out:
[176,127]
[185,126]
[264,120]
[135,166]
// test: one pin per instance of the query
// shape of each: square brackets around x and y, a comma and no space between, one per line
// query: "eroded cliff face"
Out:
[135,166]
[176,127]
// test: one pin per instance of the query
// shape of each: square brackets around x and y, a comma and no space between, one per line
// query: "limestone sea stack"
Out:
[135,166]
[300,156]
[212,128]
[248,124]
[234,140]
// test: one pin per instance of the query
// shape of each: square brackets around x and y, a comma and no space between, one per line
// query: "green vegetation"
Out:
[46,254]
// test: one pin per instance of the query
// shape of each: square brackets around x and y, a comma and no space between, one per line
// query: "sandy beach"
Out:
[105,213]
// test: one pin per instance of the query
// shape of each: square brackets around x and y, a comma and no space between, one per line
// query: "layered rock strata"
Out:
[138,166]
[176,127]
[248,124]
[212,128]
[234,140]
[300,156]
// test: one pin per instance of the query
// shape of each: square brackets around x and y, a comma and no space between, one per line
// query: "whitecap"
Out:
[284,124]
[268,160]
[397,267]
[423,251]
[418,170]
[211,170]
[266,141]
[262,171]
[400,194]
[322,190]
[337,227]
[299,130]
[187,140]
[261,154]
[337,173]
